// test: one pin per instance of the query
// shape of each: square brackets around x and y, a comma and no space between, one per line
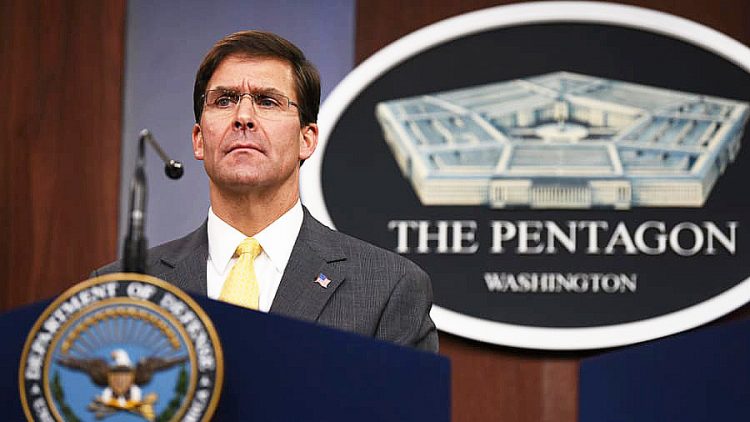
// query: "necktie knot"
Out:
[248,246]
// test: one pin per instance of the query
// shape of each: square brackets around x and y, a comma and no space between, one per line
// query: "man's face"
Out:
[243,152]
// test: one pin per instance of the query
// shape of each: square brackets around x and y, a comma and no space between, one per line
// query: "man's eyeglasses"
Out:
[269,105]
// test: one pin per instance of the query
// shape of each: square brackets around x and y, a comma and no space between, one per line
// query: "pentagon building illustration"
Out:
[563,140]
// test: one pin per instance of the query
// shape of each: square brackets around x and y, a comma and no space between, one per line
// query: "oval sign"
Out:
[571,175]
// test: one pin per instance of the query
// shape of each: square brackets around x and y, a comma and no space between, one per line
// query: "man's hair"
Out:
[264,45]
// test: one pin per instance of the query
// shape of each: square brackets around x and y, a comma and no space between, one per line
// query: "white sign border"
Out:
[516,15]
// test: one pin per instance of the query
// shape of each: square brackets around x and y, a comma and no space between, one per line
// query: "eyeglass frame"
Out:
[253,96]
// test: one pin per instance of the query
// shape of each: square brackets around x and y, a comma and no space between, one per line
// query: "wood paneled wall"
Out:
[492,383]
[60,120]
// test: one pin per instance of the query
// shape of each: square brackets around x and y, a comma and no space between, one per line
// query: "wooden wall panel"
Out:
[380,22]
[60,119]
[492,383]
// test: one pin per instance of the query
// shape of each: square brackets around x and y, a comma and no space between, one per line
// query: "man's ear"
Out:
[308,141]
[197,142]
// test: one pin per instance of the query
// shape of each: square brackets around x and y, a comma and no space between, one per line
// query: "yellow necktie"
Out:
[241,286]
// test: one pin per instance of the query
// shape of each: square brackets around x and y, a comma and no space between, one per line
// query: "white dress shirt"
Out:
[277,241]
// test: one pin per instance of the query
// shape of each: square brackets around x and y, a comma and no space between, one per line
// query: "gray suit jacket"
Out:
[372,292]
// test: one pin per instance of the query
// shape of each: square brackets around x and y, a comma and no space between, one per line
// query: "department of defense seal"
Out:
[125,347]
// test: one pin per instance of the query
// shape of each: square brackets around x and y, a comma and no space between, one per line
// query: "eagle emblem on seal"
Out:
[122,382]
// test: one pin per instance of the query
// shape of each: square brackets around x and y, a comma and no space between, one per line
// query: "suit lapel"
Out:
[185,264]
[315,252]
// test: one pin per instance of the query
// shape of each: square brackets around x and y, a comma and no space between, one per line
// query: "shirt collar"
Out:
[277,240]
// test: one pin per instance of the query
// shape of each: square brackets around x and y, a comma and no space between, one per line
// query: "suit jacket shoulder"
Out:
[182,261]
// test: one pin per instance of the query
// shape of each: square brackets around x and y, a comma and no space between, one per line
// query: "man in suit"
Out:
[256,100]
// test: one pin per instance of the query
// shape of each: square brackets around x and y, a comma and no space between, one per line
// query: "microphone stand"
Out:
[134,247]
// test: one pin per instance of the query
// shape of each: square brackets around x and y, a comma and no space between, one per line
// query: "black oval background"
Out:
[364,189]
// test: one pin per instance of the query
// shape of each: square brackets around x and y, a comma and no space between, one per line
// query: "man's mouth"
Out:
[244,147]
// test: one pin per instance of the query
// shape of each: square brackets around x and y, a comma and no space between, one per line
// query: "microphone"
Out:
[134,248]
[172,168]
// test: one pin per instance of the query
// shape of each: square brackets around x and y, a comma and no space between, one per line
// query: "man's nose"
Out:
[245,115]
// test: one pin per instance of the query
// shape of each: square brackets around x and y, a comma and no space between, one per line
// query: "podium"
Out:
[702,375]
[279,369]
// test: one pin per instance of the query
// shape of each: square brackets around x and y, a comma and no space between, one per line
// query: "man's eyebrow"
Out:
[258,90]
[225,88]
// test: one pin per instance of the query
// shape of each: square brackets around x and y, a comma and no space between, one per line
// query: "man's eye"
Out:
[224,101]
[265,101]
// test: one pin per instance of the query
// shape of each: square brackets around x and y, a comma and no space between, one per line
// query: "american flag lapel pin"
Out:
[323,280]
